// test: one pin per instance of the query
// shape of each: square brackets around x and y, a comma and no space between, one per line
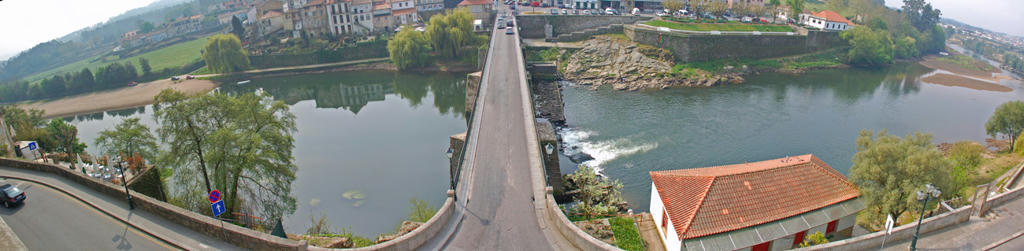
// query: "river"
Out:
[380,134]
[770,116]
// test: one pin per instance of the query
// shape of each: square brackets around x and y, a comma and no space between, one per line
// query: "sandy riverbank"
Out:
[954,80]
[992,75]
[122,98]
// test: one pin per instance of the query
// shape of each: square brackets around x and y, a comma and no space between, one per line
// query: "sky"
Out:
[995,15]
[25,23]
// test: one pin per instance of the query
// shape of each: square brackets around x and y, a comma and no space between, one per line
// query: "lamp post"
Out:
[929,192]
[124,181]
[548,148]
[451,170]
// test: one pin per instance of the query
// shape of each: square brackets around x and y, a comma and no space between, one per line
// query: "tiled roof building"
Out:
[752,205]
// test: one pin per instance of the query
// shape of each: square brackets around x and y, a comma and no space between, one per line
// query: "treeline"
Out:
[890,35]
[111,76]
[448,36]
[996,51]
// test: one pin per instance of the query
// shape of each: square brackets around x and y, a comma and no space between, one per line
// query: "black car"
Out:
[510,23]
[11,195]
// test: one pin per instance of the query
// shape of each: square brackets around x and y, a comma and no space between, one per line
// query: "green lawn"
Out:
[720,26]
[175,55]
[627,237]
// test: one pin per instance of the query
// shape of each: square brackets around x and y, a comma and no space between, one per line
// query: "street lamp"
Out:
[124,181]
[548,148]
[929,192]
[449,153]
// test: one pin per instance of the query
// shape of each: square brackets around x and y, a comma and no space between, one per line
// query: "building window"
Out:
[831,227]
[664,223]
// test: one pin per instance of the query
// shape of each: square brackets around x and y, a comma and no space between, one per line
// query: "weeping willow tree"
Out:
[450,32]
[408,48]
[241,145]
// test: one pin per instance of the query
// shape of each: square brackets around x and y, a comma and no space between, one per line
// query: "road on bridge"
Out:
[50,219]
[495,208]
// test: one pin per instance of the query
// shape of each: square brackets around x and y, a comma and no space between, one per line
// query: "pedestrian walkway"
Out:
[152,224]
[977,233]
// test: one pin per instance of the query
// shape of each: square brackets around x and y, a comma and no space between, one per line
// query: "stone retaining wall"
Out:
[1000,199]
[239,236]
[533,25]
[423,233]
[700,47]
[582,240]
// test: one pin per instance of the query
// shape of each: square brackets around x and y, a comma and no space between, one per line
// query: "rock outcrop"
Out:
[628,66]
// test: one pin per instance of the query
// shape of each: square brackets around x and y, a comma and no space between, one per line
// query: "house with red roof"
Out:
[481,9]
[765,205]
[826,20]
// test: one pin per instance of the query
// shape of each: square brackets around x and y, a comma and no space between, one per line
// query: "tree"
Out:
[966,157]
[774,8]
[128,138]
[1008,119]
[449,33]
[224,53]
[595,195]
[921,14]
[408,48]
[146,27]
[673,5]
[26,123]
[868,47]
[906,47]
[237,28]
[795,8]
[146,69]
[65,138]
[889,170]
[717,8]
[240,144]
[629,4]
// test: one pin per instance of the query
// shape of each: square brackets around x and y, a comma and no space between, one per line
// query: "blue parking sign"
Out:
[218,207]
[31,146]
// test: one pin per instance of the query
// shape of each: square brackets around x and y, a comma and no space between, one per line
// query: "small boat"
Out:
[244,82]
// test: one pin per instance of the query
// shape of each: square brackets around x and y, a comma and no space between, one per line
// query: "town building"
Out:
[362,15]
[339,18]
[403,12]
[766,205]
[382,16]
[270,22]
[826,20]
[481,9]
[314,18]
[429,5]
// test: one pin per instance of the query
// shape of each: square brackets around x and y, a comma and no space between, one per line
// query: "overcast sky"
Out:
[25,23]
[995,15]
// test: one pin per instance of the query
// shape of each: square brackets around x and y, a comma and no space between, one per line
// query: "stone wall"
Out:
[1000,199]
[532,26]
[422,234]
[230,233]
[687,47]
[553,171]
[874,240]
[472,89]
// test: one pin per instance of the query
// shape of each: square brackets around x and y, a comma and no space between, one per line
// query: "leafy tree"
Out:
[146,27]
[773,8]
[26,123]
[129,138]
[795,8]
[673,5]
[921,14]
[408,48]
[54,86]
[449,33]
[240,144]
[64,137]
[889,170]
[146,69]
[420,210]
[717,8]
[224,53]
[868,47]
[595,195]
[906,47]
[966,157]
[237,28]
[878,24]
[1008,120]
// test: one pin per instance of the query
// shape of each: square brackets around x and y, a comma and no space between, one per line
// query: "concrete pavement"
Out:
[83,219]
[977,233]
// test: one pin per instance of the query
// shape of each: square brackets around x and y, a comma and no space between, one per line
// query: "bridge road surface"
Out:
[498,204]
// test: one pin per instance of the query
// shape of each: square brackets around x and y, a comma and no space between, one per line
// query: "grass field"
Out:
[175,55]
[720,26]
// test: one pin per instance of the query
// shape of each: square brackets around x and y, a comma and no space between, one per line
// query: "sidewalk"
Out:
[302,67]
[8,239]
[150,223]
[975,234]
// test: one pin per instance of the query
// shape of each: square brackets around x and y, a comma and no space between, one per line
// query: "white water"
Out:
[578,141]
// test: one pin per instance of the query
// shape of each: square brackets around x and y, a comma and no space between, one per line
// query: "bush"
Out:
[627,236]
[868,47]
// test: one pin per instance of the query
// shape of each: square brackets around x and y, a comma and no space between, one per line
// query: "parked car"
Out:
[554,11]
[509,23]
[190,77]
[501,24]
[133,83]
[635,12]
[510,31]
[175,78]
[535,4]
[11,195]
[565,12]
[662,14]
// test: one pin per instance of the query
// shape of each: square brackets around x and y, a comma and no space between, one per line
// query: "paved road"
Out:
[496,209]
[1002,222]
[53,220]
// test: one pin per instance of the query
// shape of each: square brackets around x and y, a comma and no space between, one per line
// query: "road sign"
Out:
[888,224]
[32,146]
[218,207]
[214,196]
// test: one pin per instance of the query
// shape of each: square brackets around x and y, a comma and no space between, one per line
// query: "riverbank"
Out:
[127,97]
[960,81]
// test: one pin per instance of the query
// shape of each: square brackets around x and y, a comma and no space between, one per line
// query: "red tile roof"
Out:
[831,16]
[403,11]
[475,2]
[711,200]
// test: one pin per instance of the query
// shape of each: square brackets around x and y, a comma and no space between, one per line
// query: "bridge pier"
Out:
[472,90]
[552,170]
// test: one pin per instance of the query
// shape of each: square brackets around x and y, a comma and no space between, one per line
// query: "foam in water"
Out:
[577,141]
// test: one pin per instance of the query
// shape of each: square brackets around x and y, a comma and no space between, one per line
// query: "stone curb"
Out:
[108,213]
[1003,241]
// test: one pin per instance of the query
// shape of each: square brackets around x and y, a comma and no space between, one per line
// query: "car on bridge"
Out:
[509,23]
[11,195]
[510,31]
